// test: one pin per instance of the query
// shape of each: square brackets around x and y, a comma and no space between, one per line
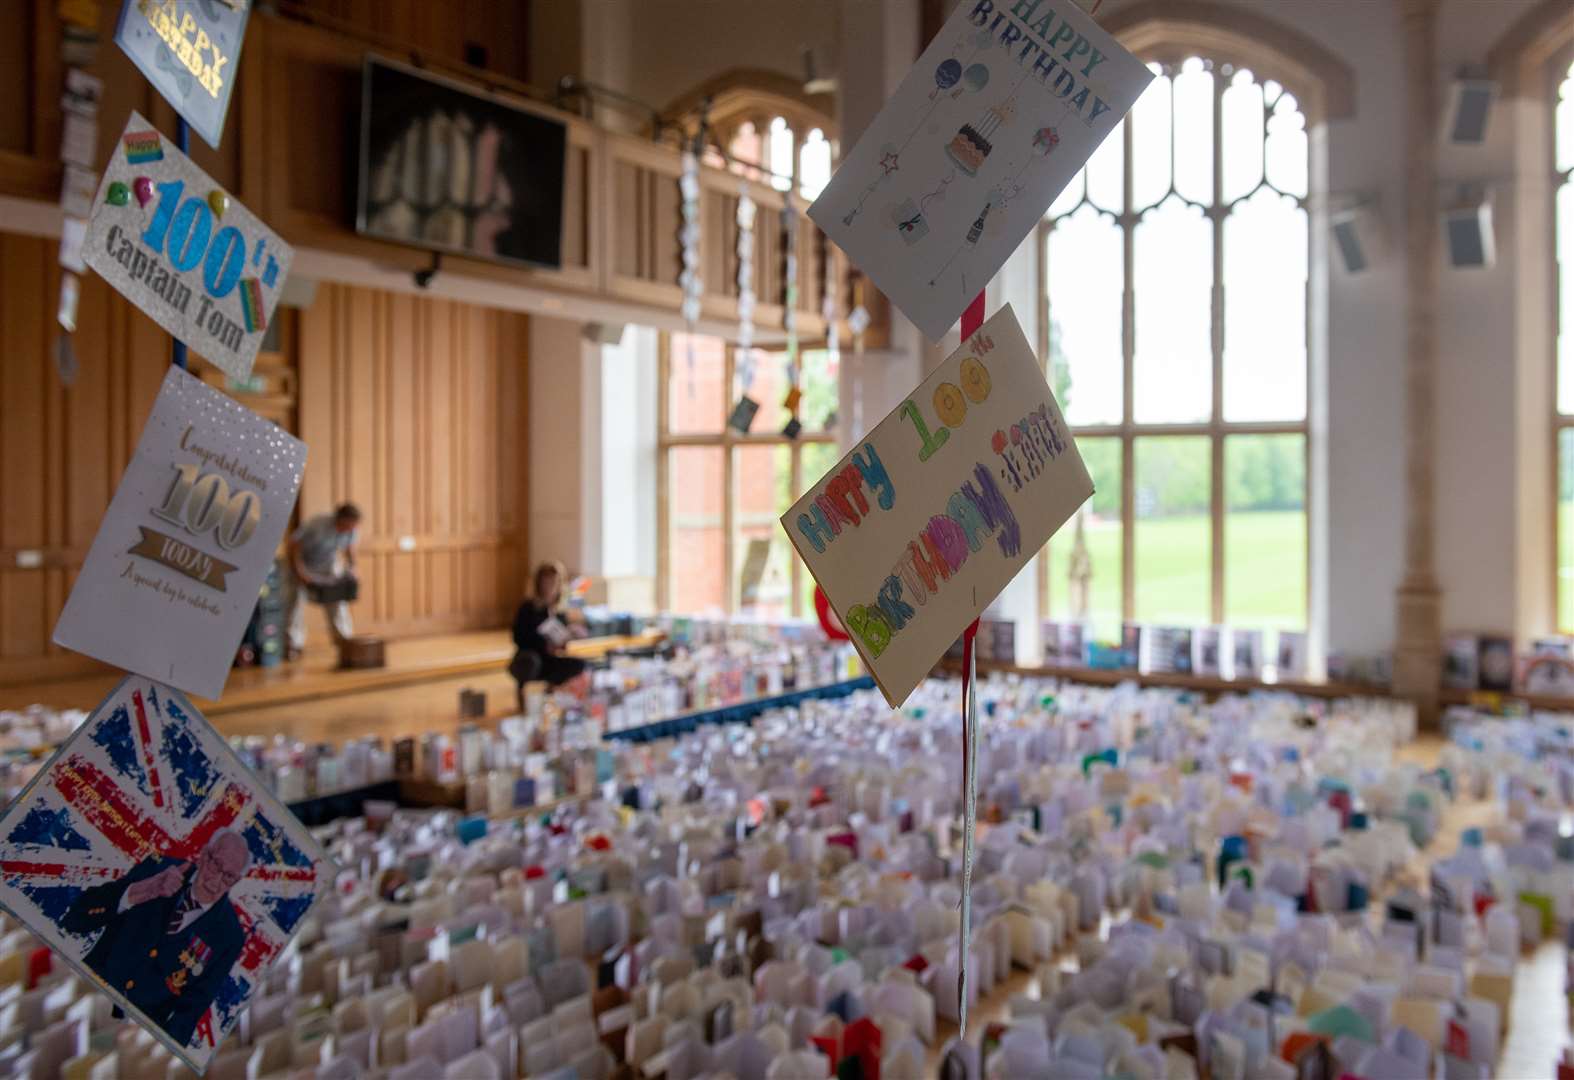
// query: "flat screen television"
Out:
[445,168]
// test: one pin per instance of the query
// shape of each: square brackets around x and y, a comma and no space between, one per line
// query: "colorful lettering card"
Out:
[173,574]
[914,533]
[1001,111]
[151,859]
[188,50]
[180,248]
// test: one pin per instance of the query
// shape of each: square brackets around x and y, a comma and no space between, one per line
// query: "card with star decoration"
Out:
[999,114]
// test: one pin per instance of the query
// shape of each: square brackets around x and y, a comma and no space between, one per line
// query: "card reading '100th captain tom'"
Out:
[1002,109]
[917,530]
[173,574]
[184,250]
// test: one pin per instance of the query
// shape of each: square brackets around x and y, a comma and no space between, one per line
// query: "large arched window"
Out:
[771,130]
[1175,321]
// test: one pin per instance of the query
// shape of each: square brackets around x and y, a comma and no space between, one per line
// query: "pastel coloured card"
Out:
[998,115]
[173,575]
[917,530]
[184,250]
[153,861]
[189,50]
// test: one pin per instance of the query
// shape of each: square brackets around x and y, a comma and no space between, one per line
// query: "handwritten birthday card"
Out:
[917,530]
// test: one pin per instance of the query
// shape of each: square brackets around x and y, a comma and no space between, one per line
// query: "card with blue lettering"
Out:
[184,250]
[151,860]
[172,577]
[914,533]
[998,115]
[188,50]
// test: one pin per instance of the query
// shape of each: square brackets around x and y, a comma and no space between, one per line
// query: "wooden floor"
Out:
[313,678]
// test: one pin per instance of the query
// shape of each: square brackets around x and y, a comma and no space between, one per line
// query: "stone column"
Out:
[1418,651]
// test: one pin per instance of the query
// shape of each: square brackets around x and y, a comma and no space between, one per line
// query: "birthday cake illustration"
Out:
[968,149]
[970,146]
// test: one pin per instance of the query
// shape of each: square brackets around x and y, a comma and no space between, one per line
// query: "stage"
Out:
[311,699]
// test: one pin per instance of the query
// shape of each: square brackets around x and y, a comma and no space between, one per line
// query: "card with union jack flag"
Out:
[148,856]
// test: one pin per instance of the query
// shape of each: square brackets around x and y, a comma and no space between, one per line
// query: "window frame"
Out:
[727,440]
[1559,68]
[1215,428]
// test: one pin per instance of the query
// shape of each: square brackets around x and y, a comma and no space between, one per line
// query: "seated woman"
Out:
[540,634]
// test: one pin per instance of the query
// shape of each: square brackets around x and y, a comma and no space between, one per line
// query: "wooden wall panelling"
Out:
[62,451]
[414,408]
[442,31]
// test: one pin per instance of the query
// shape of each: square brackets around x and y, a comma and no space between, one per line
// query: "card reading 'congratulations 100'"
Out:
[183,250]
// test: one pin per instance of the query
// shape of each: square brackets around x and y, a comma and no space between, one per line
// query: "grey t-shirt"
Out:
[320,542]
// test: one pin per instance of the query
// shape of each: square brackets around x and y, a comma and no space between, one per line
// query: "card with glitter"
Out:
[173,574]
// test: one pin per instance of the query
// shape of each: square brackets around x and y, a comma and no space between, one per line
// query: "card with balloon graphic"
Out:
[184,250]
[997,116]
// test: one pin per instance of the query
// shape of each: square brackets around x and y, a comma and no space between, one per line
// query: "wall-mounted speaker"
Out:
[1468,230]
[1358,238]
[598,333]
[1469,110]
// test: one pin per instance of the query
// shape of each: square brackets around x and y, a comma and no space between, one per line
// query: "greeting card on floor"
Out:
[1000,112]
[173,574]
[183,250]
[934,512]
[153,861]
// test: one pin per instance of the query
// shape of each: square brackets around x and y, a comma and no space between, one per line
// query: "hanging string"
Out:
[177,349]
[972,319]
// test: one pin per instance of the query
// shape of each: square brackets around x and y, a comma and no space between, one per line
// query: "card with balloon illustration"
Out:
[997,116]
[184,250]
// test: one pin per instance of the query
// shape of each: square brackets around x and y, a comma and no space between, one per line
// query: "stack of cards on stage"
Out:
[1177,889]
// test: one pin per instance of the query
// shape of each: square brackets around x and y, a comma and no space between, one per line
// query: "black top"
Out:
[527,628]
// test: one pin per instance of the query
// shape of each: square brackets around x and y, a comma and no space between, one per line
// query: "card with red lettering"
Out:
[173,575]
[150,858]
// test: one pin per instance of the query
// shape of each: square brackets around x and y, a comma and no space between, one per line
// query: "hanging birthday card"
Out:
[1005,106]
[173,574]
[914,533]
[188,50]
[178,246]
[150,858]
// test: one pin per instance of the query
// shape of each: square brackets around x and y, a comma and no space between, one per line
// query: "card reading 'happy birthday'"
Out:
[173,575]
[1005,106]
[914,533]
[188,50]
[183,250]
[150,858]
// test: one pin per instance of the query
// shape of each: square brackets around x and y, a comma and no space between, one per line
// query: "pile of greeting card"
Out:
[1162,888]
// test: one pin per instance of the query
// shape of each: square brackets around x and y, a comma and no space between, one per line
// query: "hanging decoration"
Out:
[78,149]
[746,212]
[790,317]
[858,321]
[747,209]
[689,239]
